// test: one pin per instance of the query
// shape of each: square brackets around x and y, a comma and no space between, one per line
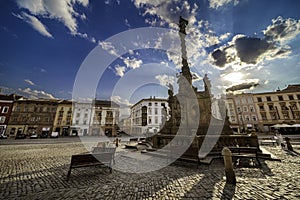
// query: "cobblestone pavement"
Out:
[38,171]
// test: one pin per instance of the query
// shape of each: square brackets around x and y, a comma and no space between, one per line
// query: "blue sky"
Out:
[44,44]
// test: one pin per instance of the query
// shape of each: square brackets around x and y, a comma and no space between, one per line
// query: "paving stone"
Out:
[39,172]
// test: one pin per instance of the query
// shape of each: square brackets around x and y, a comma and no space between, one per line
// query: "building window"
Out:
[263,116]
[298,96]
[247,118]
[273,116]
[2,119]
[251,109]
[149,104]
[245,109]
[78,115]
[293,106]
[109,114]
[261,108]
[149,120]
[155,111]
[280,98]
[250,100]
[259,99]
[163,104]
[268,98]
[291,97]
[271,107]
[254,118]
[243,100]
[230,105]
[84,122]
[149,111]
[297,115]
[5,109]
[156,120]
[285,115]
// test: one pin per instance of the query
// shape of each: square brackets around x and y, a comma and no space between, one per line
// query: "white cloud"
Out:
[108,47]
[127,23]
[120,70]
[29,82]
[35,23]
[282,30]
[34,93]
[131,52]
[165,80]
[167,11]
[120,101]
[215,4]
[60,10]
[132,62]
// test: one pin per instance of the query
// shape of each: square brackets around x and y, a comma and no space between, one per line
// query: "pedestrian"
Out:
[117,142]
[280,140]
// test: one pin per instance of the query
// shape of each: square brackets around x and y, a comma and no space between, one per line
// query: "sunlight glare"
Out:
[234,77]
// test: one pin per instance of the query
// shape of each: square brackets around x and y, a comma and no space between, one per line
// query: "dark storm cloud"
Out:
[219,57]
[248,49]
[241,86]
[251,50]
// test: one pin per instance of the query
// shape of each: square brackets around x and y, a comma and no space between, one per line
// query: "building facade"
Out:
[63,118]
[105,118]
[281,106]
[6,105]
[231,113]
[81,118]
[247,118]
[32,116]
[148,116]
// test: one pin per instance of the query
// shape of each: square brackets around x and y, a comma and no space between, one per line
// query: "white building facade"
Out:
[81,118]
[105,118]
[148,116]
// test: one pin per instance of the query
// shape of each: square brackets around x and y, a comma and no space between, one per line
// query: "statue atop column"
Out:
[182,24]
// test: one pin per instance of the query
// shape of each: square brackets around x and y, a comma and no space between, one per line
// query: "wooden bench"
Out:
[133,140]
[245,152]
[91,159]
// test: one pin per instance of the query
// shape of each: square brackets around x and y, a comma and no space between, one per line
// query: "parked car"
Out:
[20,136]
[2,136]
[34,136]
[44,135]
[54,135]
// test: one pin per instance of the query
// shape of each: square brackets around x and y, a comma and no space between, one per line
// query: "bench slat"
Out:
[92,159]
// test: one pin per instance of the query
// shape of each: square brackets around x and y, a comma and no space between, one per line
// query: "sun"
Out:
[234,77]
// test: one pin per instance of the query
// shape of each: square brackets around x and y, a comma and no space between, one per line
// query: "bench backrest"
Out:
[104,149]
[253,150]
[133,139]
[81,159]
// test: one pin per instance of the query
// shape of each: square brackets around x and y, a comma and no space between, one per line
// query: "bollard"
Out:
[230,175]
[288,144]
[117,142]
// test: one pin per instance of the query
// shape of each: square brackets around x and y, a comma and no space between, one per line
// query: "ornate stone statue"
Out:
[182,24]
[207,84]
